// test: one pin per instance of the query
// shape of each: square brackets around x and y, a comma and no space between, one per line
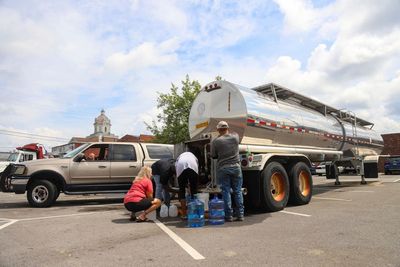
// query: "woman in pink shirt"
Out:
[140,195]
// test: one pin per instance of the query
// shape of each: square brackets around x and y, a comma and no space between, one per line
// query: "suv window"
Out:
[394,160]
[100,152]
[159,152]
[124,152]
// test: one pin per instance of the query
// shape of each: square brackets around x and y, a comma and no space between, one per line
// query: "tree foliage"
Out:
[173,119]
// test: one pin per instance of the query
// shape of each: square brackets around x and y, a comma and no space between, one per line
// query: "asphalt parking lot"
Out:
[346,225]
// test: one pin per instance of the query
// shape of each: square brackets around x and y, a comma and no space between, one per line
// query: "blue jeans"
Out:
[231,177]
[161,193]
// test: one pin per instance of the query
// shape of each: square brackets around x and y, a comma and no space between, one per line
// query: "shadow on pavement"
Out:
[343,187]
[68,203]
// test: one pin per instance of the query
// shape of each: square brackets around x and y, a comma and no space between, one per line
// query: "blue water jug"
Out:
[216,211]
[195,213]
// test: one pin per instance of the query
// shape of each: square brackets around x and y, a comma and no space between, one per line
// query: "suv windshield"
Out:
[77,150]
[13,157]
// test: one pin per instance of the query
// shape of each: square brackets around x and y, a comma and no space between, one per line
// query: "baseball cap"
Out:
[222,125]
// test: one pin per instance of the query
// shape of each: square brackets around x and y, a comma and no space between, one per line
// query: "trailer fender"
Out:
[287,160]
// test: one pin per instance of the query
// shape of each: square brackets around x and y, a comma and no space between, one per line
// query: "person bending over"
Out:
[187,169]
[163,171]
[140,195]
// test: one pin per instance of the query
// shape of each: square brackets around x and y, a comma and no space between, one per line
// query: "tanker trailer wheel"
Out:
[274,187]
[41,193]
[301,184]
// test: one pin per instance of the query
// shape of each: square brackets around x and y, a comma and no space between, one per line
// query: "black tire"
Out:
[301,184]
[3,178]
[332,171]
[41,193]
[274,187]
[56,194]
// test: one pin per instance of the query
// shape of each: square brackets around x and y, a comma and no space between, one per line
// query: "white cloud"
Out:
[358,68]
[60,63]
[300,15]
[143,56]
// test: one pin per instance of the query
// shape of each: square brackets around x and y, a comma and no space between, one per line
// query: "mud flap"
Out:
[370,170]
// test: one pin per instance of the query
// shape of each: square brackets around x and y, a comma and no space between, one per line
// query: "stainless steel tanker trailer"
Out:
[281,132]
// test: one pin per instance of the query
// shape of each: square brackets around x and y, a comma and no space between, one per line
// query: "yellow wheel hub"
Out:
[304,183]
[278,186]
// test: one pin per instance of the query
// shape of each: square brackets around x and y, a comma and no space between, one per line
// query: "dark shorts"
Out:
[187,176]
[143,204]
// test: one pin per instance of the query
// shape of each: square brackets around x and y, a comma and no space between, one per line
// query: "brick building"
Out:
[102,133]
[391,147]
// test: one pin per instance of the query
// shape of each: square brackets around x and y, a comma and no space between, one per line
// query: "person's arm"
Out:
[149,191]
[170,189]
[165,181]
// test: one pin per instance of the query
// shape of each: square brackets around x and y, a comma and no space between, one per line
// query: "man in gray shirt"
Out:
[225,148]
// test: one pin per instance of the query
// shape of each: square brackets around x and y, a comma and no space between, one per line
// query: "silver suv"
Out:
[107,167]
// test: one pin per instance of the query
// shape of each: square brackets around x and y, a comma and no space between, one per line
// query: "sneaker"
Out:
[240,219]
[229,219]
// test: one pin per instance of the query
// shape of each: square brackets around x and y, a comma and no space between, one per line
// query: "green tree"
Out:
[173,119]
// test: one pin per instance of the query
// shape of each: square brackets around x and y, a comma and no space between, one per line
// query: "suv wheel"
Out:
[41,193]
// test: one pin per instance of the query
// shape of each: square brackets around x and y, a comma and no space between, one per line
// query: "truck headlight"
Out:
[19,169]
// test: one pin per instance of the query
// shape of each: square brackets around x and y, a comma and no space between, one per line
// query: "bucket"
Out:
[204,197]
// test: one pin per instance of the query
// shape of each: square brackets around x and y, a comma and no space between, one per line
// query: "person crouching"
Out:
[140,196]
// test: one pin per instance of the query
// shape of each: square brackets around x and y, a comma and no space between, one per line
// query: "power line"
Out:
[36,138]
[32,136]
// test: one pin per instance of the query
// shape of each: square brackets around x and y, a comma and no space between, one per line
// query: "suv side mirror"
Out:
[79,157]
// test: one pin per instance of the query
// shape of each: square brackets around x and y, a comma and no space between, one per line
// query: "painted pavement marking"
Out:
[190,250]
[334,199]
[295,213]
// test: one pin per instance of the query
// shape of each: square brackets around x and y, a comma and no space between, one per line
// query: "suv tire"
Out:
[41,193]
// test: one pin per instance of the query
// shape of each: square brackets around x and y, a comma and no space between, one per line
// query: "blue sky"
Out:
[61,62]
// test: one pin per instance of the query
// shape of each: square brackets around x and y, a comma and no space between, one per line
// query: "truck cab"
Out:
[17,157]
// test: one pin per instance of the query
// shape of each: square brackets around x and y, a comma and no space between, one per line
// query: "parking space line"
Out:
[182,243]
[295,213]
[335,199]
[58,216]
[329,189]
[395,181]
[10,222]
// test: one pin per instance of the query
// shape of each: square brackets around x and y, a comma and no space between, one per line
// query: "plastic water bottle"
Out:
[173,211]
[216,211]
[195,213]
[164,211]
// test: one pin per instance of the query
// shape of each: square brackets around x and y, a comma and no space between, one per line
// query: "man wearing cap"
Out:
[225,148]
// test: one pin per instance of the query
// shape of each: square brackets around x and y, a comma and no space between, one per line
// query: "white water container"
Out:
[173,211]
[164,211]
[204,197]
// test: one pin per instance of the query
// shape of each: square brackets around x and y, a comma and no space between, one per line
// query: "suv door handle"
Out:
[102,167]
[132,166]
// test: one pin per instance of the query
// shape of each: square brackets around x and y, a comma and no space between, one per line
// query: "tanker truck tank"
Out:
[276,117]
[281,132]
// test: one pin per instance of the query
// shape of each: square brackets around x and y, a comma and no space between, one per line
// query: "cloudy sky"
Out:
[61,62]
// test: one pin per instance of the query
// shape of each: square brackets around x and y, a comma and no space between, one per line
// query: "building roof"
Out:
[134,138]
